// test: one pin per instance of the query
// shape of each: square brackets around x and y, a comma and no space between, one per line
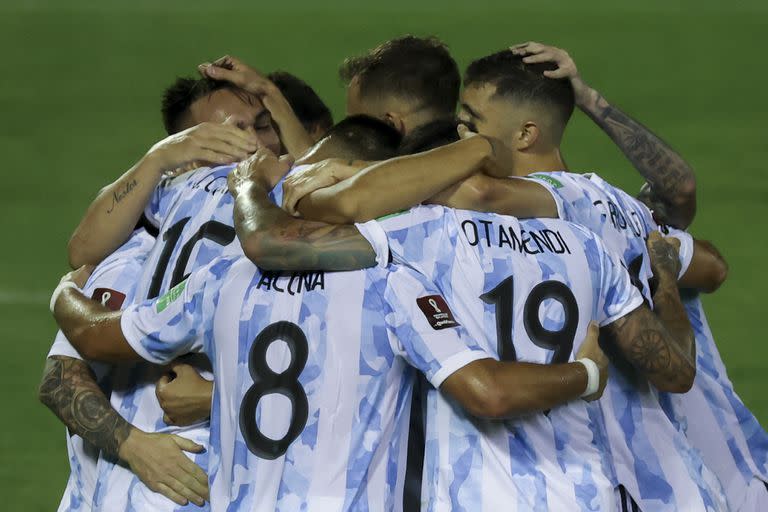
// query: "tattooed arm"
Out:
[668,174]
[667,305]
[68,388]
[113,215]
[649,347]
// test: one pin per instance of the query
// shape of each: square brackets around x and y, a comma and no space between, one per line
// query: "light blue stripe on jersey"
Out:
[118,272]
[642,465]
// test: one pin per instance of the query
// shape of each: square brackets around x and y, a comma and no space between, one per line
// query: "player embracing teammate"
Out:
[488,293]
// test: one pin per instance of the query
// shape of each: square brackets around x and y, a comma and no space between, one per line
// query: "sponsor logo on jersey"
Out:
[437,312]
[172,294]
[110,298]
[549,179]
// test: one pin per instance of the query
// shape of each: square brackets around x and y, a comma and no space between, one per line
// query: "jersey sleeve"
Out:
[178,322]
[686,247]
[617,296]
[415,237]
[423,329]
[112,283]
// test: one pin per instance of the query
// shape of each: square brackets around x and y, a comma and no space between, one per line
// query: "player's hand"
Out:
[320,175]
[590,349]
[533,53]
[236,72]
[262,169]
[184,395]
[665,258]
[501,160]
[79,276]
[207,143]
[159,461]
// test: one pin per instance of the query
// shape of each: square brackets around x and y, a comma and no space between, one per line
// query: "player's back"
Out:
[312,391]
[536,284]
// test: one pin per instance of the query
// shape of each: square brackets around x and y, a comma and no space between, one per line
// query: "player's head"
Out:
[356,138]
[191,101]
[512,101]
[408,81]
[430,136]
[306,104]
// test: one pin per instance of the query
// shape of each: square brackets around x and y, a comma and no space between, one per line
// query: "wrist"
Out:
[156,161]
[130,444]
[593,376]
[585,96]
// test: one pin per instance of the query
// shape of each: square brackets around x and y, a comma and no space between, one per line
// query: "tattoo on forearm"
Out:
[69,389]
[666,171]
[286,243]
[121,194]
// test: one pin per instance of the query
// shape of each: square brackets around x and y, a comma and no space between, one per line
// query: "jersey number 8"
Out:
[266,381]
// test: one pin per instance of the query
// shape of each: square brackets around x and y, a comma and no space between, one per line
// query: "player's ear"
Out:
[396,121]
[527,136]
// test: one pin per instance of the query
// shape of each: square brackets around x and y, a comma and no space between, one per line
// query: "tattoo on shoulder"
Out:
[119,195]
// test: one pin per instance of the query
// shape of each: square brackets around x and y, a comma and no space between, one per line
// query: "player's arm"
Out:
[665,264]
[393,185]
[274,240]
[669,175]
[113,215]
[489,388]
[507,196]
[293,135]
[69,389]
[708,269]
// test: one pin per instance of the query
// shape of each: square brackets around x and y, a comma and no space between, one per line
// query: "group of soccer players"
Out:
[404,310]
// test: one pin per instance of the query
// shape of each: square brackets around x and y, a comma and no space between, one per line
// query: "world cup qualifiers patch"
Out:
[110,298]
[170,296]
[549,179]
[437,312]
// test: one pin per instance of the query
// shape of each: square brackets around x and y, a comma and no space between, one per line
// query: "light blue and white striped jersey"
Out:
[113,283]
[194,216]
[716,421]
[312,384]
[527,291]
[653,459]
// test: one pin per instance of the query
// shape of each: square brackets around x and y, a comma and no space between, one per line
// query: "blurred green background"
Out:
[80,92]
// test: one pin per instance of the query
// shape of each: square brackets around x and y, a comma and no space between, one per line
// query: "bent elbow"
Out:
[75,252]
[720,275]
[488,403]
[679,383]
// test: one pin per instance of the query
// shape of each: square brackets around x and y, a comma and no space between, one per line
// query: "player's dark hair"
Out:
[364,138]
[181,94]
[523,82]
[430,136]
[417,68]
[306,104]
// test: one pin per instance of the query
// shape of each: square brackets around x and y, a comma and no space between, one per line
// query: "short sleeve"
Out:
[112,283]
[618,297]
[686,247]
[179,322]
[423,329]
[377,237]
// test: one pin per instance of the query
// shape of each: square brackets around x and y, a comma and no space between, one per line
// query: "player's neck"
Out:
[550,161]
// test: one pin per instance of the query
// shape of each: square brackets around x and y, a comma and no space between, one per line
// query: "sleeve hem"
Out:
[376,236]
[455,363]
[133,336]
[633,304]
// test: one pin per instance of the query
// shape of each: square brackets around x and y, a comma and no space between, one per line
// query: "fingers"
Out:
[194,477]
[187,445]
[653,237]
[465,132]
[545,56]
[167,419]
[221,73]
[181,369]
[183,489]
[171,494]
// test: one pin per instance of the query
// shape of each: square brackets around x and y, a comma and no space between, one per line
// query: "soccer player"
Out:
[72,388]
[514,101]
[408,82]
[306,104]
[518,280]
